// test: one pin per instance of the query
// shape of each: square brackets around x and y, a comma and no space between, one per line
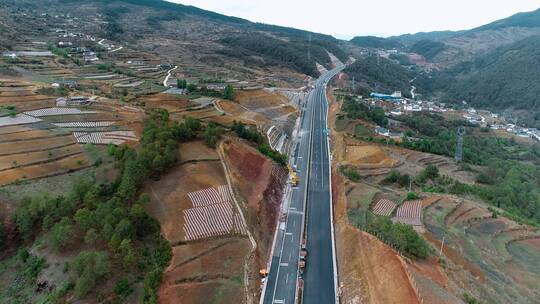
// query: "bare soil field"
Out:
[19,136]
[209,272]
[61,166]
[22,160]
[197,151]
[240,113]
[8,148]
[170,102]
[14,129]
[259,99]
[368,156]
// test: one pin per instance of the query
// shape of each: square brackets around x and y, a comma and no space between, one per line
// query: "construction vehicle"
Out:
[294,177]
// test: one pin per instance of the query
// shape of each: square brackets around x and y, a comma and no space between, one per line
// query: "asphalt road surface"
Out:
[311,198]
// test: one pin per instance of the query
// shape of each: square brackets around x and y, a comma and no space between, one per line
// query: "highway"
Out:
[311,198]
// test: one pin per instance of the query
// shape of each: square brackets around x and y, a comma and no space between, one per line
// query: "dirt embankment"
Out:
[369,271]
[260,184]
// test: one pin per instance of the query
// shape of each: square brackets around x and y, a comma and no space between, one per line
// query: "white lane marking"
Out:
[284,264]
[288,233]
[279,301]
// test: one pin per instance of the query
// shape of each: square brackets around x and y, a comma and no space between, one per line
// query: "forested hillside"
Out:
[259,50]
[505,78]
[527,19]
[427,48]
[380,74]
[376,42]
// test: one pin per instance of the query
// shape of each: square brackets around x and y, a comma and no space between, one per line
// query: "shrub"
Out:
[61,234]
[470,299]
[123,288]
[350,173]
[412,196]
[279,158]
[400,236]
[229,92]
[33,266]
[89,267]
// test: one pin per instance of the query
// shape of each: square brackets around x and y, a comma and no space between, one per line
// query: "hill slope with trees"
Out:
[187,34]
[376,42]
[380,74]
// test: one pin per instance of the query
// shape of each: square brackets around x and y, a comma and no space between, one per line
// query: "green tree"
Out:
[412,196]
[212,133]
[229,92]
[89,267]
[91,236]
[378,116]
[181,83]
[85,219]
[431,171]
[123,288]
[127,254]
[124,229]
[192,88]
[61,234]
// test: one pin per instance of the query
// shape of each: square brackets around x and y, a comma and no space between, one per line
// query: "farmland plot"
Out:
[31,158]
[33,145]
[62,166]
[384,207]
[19,119]
[105,138]
[410,213]
[57,111]
[212,215]
[84,124]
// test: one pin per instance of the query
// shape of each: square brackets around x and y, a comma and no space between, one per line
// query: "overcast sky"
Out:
[347,18]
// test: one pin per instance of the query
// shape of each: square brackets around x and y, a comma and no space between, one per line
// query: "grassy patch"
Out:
[361,131]
[350,173]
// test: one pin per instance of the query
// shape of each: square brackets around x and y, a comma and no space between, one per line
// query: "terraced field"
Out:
[494,255]
[40,142]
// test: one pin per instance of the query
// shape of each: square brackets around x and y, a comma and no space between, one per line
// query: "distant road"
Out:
[312,196]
